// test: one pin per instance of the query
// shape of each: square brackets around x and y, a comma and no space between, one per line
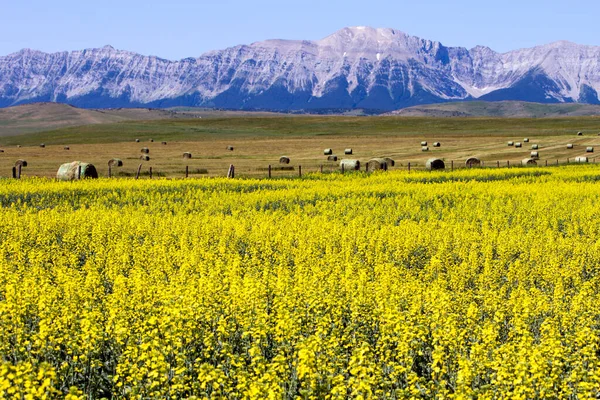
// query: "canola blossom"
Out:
[472,284]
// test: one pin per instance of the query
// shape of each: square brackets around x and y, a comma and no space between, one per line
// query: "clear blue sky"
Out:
[176,29]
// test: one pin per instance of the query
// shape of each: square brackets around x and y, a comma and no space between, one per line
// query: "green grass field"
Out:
[260,141]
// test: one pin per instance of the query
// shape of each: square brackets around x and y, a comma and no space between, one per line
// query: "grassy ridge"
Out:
[306,126]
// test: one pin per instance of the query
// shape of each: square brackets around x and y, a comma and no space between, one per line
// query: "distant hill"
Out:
[514,109]
[38,117]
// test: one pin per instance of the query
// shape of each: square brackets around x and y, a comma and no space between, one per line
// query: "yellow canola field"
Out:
[473,284]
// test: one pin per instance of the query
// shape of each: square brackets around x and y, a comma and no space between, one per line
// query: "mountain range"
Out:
[354,68]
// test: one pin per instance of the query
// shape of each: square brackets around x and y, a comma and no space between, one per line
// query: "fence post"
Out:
[150,172]
[452,165]
[79,172]
[19,167]
[231,172]
[137,175]
[300,171]
[507,164]
[14,172]
[567,160]
[366,167]
[269,170]
[321,168]
[342,168]
[498,162]
[109,171]
[546,163]
[409,167]
[187,170]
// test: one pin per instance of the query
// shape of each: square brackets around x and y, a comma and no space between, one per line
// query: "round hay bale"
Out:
[187,155]
[434,164]
[332,158]
[423,143]
[22,163]
[472,162]
[518,144]
[526,140]
[42,145]
[115,162]
[511,143]
[66,148]
[163,143]
[535,147]
[70,171]
[581,159]
[327,152]
[284,160]
[230,148]
[18,146]
[579,133]
[137,140]
[377,163]
[348,151]
[145,157]
[349,165]
[1,151]
[151,140]
[145,150]
[569,146]
[390,161]
[424,148]
[528,161]
[589,149]
[436,144]
[535,155]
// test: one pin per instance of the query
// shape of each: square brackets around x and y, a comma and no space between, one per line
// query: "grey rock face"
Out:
[359,67]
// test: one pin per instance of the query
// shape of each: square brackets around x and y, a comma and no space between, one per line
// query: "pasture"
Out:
[260,140]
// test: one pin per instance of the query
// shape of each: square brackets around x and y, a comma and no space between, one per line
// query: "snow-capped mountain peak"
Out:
[355,67]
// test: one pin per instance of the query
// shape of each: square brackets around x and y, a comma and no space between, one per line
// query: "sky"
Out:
[178,29]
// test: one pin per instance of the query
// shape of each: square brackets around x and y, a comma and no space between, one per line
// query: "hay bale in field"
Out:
[434,164]
[1,151]
[423,143]
[42,145]
[535,155]
[145,150]
[589,149]
[377,163]
[137,140]
[284,160]
[424,148]
[332,158]
[22,163]
[18,146]
[66,148]
[151,140]
[145,157]
[349,165]
[348,152]
[528,161]
[511,143]
[436,144]
[535,147]
[390,161]
[115,162]
[70,171]
[581,159]
[579,133]
[526,140]
[569,146]
[230,148]
[163,143]
[518,144]
[327,152]
[472,162]
[187,155]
